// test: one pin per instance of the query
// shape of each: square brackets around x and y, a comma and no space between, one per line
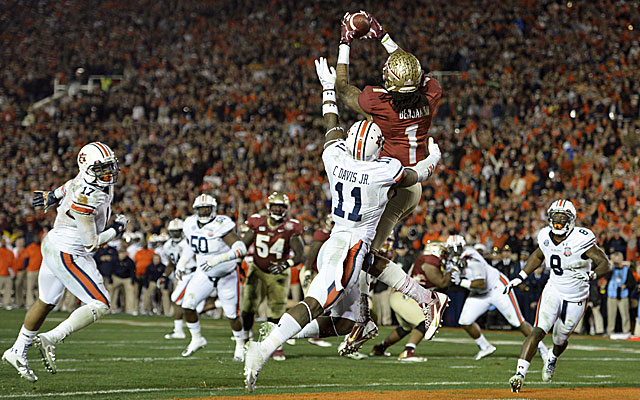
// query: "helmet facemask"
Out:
[278,206]
[561,222]
[175,234]
[205,213]
[104,173]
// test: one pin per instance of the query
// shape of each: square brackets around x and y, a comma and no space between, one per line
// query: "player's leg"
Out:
[197,290]
[472,309]
[277,291]
[229,295]
[176,298]
[252,296]
[411,319]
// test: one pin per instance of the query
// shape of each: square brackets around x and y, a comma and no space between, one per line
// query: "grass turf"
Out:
[127,357]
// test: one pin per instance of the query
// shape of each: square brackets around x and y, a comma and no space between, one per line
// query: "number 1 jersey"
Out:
[359,189]
[569,252]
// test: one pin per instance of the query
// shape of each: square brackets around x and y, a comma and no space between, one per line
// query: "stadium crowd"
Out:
[542,103]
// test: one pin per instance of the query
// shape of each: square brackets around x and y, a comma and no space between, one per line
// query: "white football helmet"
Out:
[364,140]
[561,216]
[455,245]
[98,164]
[175,229]
[205,207]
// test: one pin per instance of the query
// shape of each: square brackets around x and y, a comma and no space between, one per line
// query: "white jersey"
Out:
[478,268]
[84,199]
[171,251]
[206,241]
[567,255]
[359,189]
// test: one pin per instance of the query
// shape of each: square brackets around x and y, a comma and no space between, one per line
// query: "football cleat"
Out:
[357,356]
[516,382]
[195,344]
[47,352]
[485,352]
[549,369]
[19,362]
[254,359]
[175,335]
[359,334]
[433,312]
[278,355]
[291,342]
[409,355]
[238,354]
[319,342]
[379,351]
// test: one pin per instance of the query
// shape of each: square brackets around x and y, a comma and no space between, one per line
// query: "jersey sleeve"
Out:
[85,200]
[320,235]
[225,225]
[369,98]
[298,229]
[588,239]
[474,270]
[434,93]
[253,222]
[388,170]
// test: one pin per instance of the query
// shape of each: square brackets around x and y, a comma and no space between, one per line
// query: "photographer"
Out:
[621,283]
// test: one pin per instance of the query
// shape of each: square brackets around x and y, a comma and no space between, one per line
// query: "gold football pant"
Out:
[259,285]
[398,208]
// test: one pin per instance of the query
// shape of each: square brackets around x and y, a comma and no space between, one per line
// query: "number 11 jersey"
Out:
[359,189]
[567,253]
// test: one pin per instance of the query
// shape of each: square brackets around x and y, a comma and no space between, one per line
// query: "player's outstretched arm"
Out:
[327,77]
[238,250]
[376,31]
[534,261]
[603,265]
[423,169]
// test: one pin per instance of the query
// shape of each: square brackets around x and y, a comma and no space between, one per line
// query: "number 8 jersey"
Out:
[359,189]
[567,253]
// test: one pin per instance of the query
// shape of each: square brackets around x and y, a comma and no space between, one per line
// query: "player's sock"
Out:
[24,339]
[239,337]
[178,325]
[394,276]
[311,330]
[364,315]
[543,349]
[80,318]
[523,367]
[410,346]
[287,328]
[194,328]
[551,357]
[482,342]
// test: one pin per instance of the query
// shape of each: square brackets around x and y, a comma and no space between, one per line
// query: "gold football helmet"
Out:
[435,248]
[402,72]
[278,206]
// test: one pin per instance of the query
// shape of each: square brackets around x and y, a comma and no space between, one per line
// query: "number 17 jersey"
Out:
[569,252]
[359,189]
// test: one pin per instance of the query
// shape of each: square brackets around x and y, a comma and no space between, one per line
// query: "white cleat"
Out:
[19,362]
[516,382]
[410,356]
[433,312]
[358,336]
[254,360]
[194,345]
[238,354]
[549,369]
[319,342]
[47,351]
[175,335]
[485,352]
[291,342]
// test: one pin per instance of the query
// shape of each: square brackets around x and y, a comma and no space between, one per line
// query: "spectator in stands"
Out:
[6,275]
[123,278]
[620,284]
[34,261]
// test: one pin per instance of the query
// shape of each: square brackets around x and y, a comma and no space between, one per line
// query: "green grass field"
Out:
[127,357]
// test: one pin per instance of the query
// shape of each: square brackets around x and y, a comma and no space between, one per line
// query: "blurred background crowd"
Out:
[540,102]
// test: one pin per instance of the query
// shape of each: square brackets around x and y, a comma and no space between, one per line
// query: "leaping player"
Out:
[569,252]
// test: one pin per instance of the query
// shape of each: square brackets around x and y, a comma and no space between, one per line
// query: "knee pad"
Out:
[402,332]
[420,327]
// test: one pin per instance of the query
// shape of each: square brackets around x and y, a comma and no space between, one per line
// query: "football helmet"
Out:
[278,206]
[329,222]
[435,248]
[205,207]
[561,216]
[175,229]
[98,164]
[455,245]
[402,73]
[364,140]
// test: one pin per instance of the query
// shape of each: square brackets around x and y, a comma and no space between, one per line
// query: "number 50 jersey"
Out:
[206,241]
[568,253]
[359,189]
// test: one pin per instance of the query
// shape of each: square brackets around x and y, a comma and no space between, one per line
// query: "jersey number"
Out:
[555,264]
[413,142]
[262,247]
[87,191]
[357,197]
[199,244]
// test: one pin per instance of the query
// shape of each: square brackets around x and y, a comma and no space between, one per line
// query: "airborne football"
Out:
[408,200]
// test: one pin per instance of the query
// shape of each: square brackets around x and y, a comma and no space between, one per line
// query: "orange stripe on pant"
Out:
[181,294]
[537,310]
[513,301]
[349,265]
[83,279]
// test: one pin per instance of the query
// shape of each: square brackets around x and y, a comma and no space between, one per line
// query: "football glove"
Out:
[375,31]
[44,199]
[213,261]
[306,278]
[279,267]
[120,222]
[346,35]
[162,282]
[455,277]
[326,74]
[582,275]
[512,283]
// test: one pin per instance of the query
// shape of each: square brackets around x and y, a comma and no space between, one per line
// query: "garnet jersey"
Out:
[206,241]
[271,244]
[417,268]
[84,199]
[567,254]
[478,268]
[405,133]
[320,235]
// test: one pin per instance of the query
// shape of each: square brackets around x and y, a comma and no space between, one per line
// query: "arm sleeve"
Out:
[61,191]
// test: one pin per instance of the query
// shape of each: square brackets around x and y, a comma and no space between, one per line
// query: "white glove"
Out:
[326,74]
[513,283]
[455,276]
[213,261]
[434,150]
[582,275]
[120,222]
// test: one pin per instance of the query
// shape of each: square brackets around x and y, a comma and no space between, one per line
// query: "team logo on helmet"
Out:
[402,73]
[278,206]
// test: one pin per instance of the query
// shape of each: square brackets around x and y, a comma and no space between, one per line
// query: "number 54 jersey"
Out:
[567,253]
[359,189]
[271,244]
[206,240]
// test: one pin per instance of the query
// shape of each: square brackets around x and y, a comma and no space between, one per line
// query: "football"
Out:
[359,23]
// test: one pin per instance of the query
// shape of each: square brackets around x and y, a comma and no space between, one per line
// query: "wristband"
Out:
[465,283]
[328,95]
[388,43]
[523,275]
[329,108]
[343,54]
[335,128]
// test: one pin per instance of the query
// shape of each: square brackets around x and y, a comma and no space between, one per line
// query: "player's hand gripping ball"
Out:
[359,24]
